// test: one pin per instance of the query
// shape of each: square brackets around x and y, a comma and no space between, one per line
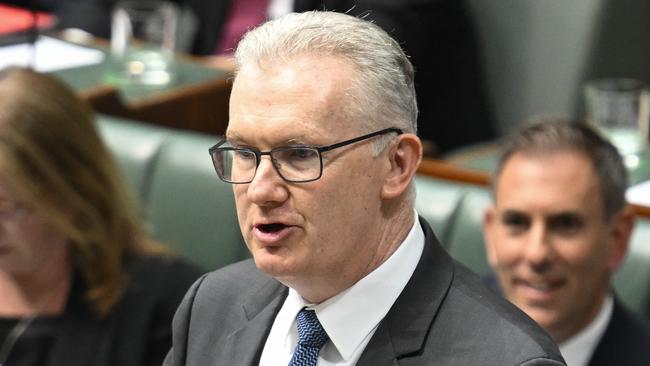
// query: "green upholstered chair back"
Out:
[437,202]
[455,211]
[189,207]
[183,202]
[632,280]
[135,147]
[466,242]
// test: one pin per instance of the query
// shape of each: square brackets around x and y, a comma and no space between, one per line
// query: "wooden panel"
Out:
[439,169]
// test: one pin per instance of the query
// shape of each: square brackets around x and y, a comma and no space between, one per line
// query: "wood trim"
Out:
[643,211]
[181,93]
[439,169]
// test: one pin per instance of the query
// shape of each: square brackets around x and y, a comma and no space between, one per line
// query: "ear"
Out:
[489,227]
[622,224]
[404,157]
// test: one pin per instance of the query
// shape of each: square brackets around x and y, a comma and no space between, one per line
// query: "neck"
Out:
[392,232]
[41,293]
[572,329]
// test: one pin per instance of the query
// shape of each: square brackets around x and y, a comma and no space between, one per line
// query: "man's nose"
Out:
[539,250]
[267,187]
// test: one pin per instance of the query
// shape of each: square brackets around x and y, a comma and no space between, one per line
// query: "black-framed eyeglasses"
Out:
[295,164]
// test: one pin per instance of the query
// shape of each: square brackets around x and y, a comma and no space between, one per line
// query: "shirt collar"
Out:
[578,349]
[352,315]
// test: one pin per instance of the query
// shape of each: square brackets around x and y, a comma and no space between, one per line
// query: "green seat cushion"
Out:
[437,201]
[632,280]
[466,242]
[135,147]
[190,208]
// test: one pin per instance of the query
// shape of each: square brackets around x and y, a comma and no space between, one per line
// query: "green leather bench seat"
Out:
[632,281]
[184,203]
[437,201]
[186,206]
[135,147]
[189,206]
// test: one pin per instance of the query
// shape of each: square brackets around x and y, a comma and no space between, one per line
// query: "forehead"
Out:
[563,181]
[304,98]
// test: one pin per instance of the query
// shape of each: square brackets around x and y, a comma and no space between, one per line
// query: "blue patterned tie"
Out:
[311,338]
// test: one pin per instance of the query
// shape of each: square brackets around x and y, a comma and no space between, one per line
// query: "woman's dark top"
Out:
[136,333]
[33,346]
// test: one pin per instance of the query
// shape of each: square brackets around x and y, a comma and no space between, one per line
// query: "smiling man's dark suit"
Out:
[444,316]
[626,340]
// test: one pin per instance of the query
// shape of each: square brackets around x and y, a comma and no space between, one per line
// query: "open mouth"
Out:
[270,228]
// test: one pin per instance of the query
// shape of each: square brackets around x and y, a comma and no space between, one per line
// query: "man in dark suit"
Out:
[321,150]
[556,233]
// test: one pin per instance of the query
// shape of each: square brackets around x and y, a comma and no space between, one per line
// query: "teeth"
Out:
[540,286]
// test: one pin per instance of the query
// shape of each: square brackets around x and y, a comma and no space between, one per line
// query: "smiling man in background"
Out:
[558,230]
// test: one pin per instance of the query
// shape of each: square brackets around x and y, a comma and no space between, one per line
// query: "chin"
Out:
[273,264]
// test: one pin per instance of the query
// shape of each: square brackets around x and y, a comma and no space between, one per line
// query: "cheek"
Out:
[507,249]
[336,214]
[586,256]
[33,246]
[239,192]
[241,203]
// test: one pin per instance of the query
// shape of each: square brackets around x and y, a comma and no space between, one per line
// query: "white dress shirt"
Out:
[577,350]
[351,317]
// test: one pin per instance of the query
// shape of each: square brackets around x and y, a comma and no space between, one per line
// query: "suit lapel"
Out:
[406,326]
[244,346]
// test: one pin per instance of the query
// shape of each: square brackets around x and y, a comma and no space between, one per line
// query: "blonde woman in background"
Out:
[80,282]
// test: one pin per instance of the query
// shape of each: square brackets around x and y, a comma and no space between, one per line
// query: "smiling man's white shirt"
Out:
[577,350]
[351,317]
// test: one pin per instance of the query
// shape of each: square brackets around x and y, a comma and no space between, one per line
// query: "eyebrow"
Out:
[566,215]
[238,140]
[508,213]
[513,212]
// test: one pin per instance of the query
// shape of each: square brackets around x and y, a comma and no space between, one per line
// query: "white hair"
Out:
[385,94]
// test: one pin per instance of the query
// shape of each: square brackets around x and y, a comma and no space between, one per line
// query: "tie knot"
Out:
[310,331]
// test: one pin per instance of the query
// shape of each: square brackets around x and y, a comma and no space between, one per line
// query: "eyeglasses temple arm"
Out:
[360,138]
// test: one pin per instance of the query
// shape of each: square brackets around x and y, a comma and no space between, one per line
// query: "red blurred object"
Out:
[14,19]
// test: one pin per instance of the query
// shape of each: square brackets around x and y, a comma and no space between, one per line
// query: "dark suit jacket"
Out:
[626,340]
[137,332]
[444,316]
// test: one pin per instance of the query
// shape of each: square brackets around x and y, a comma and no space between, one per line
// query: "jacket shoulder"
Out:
[214,308]
[500,333]
[236,281]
